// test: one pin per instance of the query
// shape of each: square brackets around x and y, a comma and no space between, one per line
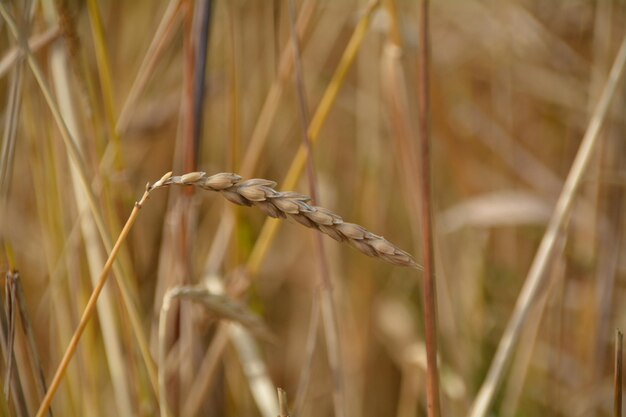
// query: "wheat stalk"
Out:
[282,204]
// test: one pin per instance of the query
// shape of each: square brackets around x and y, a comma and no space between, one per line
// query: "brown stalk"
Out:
[327,304]
[419,202]
[617,384]
[9,291]
[276,31]
[184,211]
[430,288]
[610,209]
[16,304]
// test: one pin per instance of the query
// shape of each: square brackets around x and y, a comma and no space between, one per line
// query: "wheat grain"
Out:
[262,194]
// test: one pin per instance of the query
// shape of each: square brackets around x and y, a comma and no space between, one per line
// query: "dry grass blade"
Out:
[331,326]
[282,204]
[537,274]
[430,283]
[9,356]
[16,304]
[420,199]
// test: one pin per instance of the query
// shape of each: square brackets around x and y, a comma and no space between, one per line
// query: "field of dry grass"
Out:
[259,261]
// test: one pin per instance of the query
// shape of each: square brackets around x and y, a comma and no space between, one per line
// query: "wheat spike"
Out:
[278,204]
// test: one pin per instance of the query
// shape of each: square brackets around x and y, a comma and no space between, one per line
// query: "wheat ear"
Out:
[282,204]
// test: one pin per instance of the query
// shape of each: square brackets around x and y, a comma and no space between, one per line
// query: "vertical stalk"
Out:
[327,305]
[619,338]
[204,9]
[430,289]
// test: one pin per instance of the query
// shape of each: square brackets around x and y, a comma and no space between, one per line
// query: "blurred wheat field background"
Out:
[209,306]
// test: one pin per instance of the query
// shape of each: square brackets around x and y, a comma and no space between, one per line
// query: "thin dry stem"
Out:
[331,327]
[255,370]
[6,338]
[430,287]
[277,204]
